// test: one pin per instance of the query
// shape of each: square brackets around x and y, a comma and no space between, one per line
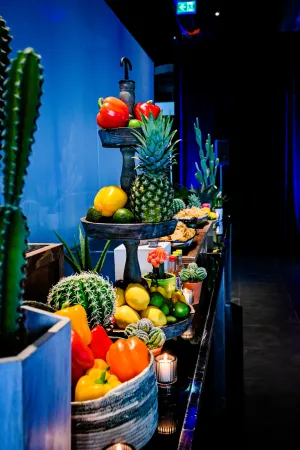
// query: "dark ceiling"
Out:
[157,28]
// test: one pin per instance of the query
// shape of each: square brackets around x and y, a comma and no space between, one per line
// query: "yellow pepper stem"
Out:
[101,379]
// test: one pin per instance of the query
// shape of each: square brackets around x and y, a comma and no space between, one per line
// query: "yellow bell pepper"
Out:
[109,199]
[95,384]
[162,291]
[212,215]
[99,364]
[79,322]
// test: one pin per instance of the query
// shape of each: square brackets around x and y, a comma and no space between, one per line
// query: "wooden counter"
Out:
[202,243]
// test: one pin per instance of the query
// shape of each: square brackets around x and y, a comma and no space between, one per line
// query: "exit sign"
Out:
[186,7]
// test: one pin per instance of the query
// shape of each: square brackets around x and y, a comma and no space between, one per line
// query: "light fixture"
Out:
[217,13]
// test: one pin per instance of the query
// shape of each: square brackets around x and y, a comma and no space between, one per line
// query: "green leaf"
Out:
[88,259]
[82,249]
[74,266]
[71,255]
[76,248]
[99,265]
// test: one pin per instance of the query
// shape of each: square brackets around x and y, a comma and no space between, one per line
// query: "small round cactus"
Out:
[92,291]
[194,200]
[193,273]
[142,335]
[157,338]
[145,325]
[131,329]
[178,205]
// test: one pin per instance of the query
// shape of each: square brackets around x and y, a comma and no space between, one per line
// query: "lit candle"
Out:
[166,368]
[166,423]
[119,447]
[188,295]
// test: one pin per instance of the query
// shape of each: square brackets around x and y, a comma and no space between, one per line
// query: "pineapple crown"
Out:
[156,150]
[193,273]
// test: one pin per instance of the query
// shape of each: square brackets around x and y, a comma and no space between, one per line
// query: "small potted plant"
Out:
[192,277]
[158,276]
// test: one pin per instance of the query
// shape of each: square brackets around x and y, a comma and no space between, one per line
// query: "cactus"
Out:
[157,338]
[193,273]
[178,205]
[83,263]
[152,336]
[194,200]
[20,94]
[92,291]
[145,325]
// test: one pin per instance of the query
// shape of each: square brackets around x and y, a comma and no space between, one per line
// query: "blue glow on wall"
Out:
[81,44]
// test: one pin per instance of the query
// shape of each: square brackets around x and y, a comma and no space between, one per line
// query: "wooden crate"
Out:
[45,267]
[35,387]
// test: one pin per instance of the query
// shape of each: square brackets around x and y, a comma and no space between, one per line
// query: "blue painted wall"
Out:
[81,44]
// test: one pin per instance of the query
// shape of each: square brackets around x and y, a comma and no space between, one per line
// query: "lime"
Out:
[165,309]
[171,319]
[156,299]
[181,310]
[93,215]
[123,215]
[134,123]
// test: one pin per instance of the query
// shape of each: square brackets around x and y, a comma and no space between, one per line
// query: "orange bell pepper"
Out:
[127,358]
[79,322]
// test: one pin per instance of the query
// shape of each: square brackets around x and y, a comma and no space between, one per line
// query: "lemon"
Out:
[156,316]
[162,291]
[120,297]
[137,296]
[109,199]
[125,315]
[153,289]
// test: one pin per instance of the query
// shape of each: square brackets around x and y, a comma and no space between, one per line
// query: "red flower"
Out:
[157,256]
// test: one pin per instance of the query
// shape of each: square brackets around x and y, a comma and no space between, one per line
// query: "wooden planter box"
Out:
[45,267]
[35,387]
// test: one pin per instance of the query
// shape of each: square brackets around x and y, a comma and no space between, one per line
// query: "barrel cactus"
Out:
[20,93]
[131,329]
[178,205]
[145,325]
[142,335]
[192,273]
[92,291]
[157,338]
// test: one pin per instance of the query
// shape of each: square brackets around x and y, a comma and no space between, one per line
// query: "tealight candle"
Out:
[119,447]
[188,295]
[166,368]
[166,423]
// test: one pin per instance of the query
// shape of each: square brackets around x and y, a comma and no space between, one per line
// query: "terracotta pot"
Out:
[156,351]
[196,288]
[169,284]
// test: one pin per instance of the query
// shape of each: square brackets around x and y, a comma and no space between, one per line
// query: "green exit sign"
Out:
[186,7]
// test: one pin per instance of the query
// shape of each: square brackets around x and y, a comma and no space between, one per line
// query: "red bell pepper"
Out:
[113,113]
[100,342]
[145,108]
[82,357]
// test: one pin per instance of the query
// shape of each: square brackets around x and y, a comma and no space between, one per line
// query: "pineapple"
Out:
[152,193]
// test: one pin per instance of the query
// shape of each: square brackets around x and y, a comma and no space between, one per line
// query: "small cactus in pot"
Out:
[20,93]
[192,277]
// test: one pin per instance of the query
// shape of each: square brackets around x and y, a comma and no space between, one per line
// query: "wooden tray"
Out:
[127,232]
[118,137]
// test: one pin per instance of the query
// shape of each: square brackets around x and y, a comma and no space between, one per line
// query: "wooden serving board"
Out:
[118,137]
[128,232]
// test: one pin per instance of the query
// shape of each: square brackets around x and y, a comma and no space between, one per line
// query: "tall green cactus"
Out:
[20,90]
[207,172]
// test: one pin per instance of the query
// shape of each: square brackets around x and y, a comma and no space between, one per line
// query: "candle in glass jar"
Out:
[166,368]
[119,447]
[188,295]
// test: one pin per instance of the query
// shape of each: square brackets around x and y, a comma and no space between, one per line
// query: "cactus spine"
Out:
[92,291]
[178,205]
[20,94]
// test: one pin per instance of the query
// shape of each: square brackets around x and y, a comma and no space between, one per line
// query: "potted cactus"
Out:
[35,363]
[192,277]
[158,276]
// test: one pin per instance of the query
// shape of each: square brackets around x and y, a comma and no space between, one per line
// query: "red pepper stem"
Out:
[100,102]
[149,101]
[101,379]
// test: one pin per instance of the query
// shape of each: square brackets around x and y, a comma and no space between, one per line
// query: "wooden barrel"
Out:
[126,414]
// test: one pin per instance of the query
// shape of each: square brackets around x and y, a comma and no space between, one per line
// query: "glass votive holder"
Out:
[188,334]
[167,423]
[188,295]
[166,368]
[119,446]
